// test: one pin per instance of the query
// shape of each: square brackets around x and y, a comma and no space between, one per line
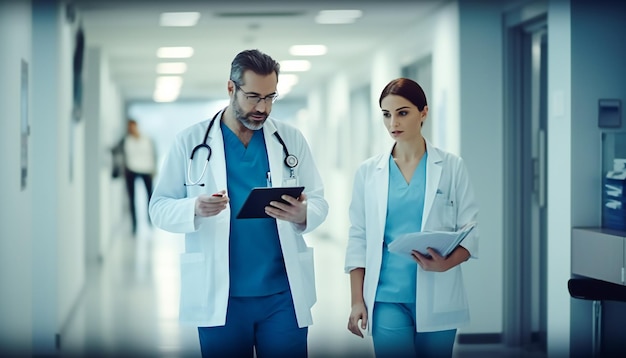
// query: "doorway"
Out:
[525,265]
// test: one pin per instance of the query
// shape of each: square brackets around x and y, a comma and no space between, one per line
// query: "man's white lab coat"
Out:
[204,264]
[441,301]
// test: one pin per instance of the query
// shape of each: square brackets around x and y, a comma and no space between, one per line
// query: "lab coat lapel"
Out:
[380,186]
[275,154]
[218,156]
[433,175]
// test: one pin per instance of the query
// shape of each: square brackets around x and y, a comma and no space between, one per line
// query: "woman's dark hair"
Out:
[255,61]
[406,88]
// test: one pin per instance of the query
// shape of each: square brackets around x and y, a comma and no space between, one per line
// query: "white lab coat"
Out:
[441,301]
[204,264]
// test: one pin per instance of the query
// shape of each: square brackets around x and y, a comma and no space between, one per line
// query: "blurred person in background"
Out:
[139,162]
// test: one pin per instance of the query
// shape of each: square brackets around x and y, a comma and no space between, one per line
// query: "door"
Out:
[525,183]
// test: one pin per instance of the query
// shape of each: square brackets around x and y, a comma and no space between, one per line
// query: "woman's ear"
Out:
[424,114]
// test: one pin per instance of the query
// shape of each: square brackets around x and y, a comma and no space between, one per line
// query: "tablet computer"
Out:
[259,198]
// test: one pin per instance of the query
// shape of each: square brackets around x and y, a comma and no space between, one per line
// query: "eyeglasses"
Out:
[253,98]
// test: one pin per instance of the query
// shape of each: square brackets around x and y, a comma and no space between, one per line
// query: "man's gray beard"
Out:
[251,125]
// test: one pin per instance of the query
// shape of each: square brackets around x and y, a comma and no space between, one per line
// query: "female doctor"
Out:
[410,306]
[248,284]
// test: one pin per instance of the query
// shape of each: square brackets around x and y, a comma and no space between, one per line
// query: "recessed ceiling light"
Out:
[307,50]
[338,16]
[162,96]
[169,81]
[175,52]
[171,68]
[295,65]
[167,88]
[180,19]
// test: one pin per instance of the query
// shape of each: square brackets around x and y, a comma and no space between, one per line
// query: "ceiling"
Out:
[128,33]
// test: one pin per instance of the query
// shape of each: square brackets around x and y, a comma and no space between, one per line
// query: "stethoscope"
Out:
[291,161]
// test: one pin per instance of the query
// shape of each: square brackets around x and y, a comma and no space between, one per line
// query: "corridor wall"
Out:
[58,177]
[16,221]
[105,209]
[41,263]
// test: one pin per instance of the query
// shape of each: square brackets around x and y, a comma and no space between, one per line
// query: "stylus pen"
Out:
[269,179]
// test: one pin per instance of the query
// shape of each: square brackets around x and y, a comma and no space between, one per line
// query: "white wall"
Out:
[445,99]
[559,176]
[42,271]
[480,130]
[111,118]
[16,221]
[71,174]
[105,124]
[58,180]
[91,103]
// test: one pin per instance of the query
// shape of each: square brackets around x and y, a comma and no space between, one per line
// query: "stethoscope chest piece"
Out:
[291,161]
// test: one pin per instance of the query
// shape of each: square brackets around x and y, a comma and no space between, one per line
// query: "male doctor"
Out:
[248,284]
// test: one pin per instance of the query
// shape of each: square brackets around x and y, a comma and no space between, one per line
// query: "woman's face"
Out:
[402,118]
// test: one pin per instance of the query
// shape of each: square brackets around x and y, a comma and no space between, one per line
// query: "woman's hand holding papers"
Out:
[438,263]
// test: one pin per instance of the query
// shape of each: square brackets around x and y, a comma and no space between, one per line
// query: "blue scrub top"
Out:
[405,206]
[256,261]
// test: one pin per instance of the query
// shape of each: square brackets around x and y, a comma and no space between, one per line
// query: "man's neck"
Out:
[244,134]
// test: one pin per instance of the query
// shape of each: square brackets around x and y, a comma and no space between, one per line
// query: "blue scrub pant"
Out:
[394,335]
[266,324]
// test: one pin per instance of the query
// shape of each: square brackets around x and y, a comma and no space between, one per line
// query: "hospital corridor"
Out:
[517,107]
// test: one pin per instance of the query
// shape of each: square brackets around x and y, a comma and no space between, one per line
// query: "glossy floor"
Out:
[130,302]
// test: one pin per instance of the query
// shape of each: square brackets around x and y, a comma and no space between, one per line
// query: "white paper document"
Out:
[443,242]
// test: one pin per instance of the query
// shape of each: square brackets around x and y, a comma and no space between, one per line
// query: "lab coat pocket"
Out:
[442,216]
[307,265]
[449,291]
[192,283]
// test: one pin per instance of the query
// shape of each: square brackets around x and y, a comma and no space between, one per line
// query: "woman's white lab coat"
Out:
[204,286]
[449,204]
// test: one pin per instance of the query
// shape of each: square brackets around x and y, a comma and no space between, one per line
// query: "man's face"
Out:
[252,101]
